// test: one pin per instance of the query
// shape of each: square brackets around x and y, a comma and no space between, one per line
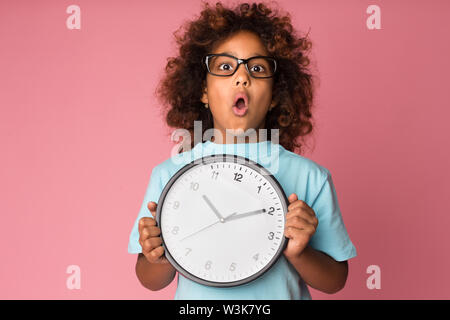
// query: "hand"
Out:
[243,215]
[301,224]
[221,219]
[149,237]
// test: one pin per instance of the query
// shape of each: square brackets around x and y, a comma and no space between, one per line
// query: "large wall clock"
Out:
[222,220]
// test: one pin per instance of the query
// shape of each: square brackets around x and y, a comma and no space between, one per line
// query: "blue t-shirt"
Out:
[296,174]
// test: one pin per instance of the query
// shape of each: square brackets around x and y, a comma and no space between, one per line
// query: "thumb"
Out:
[152,207]
[293,197]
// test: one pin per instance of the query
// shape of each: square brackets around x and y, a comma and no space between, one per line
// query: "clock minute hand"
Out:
[244,215]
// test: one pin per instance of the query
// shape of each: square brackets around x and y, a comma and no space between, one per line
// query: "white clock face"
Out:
[222,221]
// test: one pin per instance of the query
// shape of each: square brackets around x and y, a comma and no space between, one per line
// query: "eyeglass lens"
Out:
[258,67]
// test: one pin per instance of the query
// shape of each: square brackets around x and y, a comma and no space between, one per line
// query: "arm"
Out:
[154,276]
[153,269]
[320,271]
[317,269]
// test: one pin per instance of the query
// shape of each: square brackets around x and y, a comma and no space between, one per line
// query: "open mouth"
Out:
[240,108]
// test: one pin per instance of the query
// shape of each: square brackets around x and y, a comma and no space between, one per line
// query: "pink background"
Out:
[80,132]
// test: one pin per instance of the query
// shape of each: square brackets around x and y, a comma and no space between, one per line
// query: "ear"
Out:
[204,97]
[273,104]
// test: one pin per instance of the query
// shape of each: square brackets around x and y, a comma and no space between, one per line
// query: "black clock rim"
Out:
[206,160]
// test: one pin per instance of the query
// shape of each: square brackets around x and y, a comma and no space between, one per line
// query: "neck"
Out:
[238,137]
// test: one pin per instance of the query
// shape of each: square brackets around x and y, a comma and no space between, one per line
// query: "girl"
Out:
[272,89]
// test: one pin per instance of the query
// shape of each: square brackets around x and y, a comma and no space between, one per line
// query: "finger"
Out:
[303,213]
[297,222]
[156,253]
[149,232]
[292,198]
[145,222]
[150,244]
[295,233]
[302,205]
[152,207]
[300,223]
[297,203]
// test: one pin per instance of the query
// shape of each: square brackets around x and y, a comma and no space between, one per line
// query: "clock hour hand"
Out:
[244,215]
[213,208]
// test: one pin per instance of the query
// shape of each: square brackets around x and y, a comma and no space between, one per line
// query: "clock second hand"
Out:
[208,226]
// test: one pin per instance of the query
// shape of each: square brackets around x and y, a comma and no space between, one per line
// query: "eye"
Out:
[258,67]
[225,64]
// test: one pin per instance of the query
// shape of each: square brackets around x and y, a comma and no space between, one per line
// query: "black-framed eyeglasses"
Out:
[225,65]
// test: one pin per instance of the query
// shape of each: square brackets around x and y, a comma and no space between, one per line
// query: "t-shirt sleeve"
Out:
[152,193]
[331,236]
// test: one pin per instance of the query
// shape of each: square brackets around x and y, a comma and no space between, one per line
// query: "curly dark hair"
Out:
[180,89]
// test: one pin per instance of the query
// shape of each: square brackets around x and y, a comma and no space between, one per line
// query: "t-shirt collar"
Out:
[263,151]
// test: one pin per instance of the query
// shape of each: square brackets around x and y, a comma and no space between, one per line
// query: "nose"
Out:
[242,76]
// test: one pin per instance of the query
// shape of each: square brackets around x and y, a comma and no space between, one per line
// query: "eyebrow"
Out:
[234,54]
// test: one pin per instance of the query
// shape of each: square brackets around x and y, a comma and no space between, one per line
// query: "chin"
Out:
[241,130]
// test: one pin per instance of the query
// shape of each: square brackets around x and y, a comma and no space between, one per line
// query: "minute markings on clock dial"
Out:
[226,249]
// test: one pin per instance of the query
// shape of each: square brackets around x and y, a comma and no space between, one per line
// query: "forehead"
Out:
[242,44]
